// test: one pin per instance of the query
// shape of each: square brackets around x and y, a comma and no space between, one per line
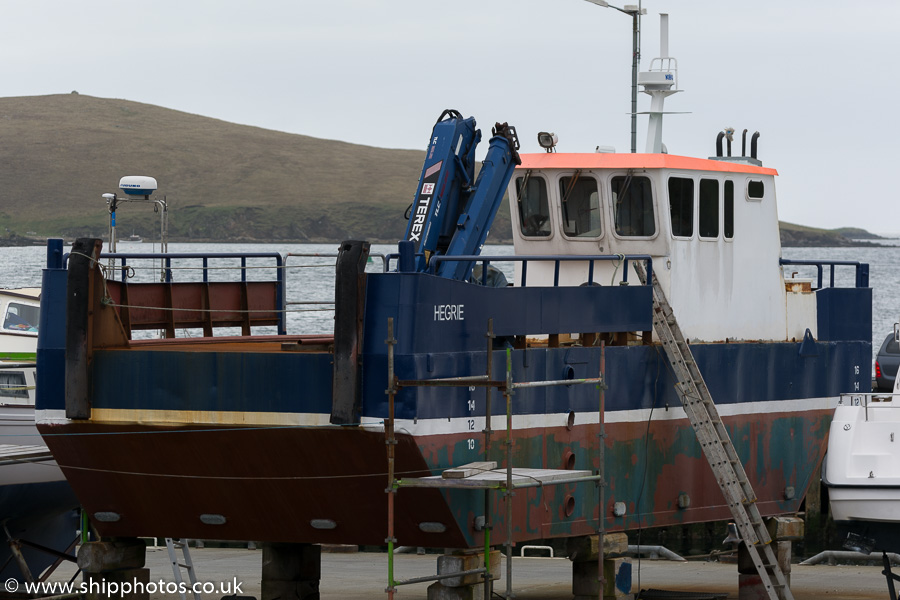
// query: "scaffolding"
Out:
[484,475]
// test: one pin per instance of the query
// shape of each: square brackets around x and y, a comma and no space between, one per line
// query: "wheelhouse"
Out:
[711,227]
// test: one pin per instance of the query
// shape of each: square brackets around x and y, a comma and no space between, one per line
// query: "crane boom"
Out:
[451,215]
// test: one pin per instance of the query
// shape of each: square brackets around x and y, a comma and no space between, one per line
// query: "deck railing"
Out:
[198,301]
[622,261]
[871,401]
[227,289]
[862,270]
[235,289]
[315,262]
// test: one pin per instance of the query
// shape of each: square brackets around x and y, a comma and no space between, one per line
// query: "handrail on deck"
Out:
[862,269]
[383,257]
[166,271]
[280,287]
[204,256]
[556,259]
[869,400]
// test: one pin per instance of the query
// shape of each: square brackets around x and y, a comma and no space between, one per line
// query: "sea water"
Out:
[310,279]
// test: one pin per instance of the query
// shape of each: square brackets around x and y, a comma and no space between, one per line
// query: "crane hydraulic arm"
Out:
[451,215]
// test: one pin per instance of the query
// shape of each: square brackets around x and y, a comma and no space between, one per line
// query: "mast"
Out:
[658,83]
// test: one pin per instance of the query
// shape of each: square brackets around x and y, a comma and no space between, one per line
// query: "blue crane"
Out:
[451,215]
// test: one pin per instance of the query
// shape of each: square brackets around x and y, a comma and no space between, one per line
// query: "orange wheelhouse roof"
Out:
[602,160]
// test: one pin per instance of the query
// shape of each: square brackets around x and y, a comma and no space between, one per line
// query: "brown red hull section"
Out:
[284,484]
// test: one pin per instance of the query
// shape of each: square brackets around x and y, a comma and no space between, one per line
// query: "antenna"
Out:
[658,83]
[138,188]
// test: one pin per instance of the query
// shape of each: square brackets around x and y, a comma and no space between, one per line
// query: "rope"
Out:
[104,270]
[268,477]
[108,302]
[128,269]
[238,478]
[207,268]
[250,478]
[107,299]
[233,477]
[309,266]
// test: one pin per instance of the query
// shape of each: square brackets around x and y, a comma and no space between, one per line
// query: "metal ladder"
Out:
[187,565]
[716,444]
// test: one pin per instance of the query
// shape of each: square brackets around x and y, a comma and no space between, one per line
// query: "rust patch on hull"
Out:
[270,484]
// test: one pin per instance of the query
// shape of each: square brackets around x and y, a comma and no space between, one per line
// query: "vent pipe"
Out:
[753,144]
[729,136]
[719,143]
[744,143]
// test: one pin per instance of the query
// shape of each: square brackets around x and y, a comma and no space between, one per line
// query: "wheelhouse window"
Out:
[681,206]
[12,384]
[580,206]
[756,189]
[632,200]
[729,210]
[709,208]
[534,207]
[21,317]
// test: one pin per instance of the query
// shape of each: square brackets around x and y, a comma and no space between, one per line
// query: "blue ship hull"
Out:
[256,430]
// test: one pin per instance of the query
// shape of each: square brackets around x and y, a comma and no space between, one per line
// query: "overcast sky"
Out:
[818,79]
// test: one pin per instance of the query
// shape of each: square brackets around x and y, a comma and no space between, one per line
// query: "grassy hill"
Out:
[857,233]
[798,235]
[223,182]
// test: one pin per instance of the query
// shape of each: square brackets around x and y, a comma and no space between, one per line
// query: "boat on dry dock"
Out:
[19,316]
[281,438]
[862,470]
[20,310]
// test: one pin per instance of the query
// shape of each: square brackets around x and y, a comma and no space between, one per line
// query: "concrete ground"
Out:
[364,575]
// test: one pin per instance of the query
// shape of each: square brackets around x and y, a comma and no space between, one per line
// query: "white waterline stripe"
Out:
[425,427]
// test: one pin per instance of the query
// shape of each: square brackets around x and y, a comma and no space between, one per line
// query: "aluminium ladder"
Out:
[716,444]
[187,565]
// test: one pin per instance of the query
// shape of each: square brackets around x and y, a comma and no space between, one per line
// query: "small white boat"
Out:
[862,468]
[20,311]
[36,503]
[19,316]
